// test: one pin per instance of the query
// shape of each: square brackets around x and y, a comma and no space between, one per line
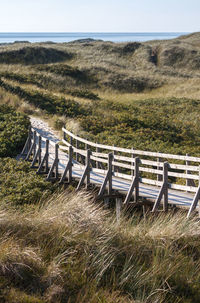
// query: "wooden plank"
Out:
[183,187]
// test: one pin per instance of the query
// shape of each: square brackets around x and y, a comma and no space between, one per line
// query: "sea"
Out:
[68,37]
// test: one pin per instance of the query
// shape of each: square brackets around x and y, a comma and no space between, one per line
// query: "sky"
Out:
[99,15]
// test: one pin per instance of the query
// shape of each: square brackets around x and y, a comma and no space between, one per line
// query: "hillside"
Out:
[60,246]
[106,89]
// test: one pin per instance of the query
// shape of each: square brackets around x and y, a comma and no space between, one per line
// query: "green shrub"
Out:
[13,131]
[20,185]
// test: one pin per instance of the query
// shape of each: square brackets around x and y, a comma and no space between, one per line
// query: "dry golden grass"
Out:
[68,249]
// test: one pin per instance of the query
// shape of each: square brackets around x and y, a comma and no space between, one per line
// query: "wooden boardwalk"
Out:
[128,175]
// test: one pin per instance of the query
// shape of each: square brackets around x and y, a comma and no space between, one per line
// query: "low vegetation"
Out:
[13,131]
[70,250]
[20,185]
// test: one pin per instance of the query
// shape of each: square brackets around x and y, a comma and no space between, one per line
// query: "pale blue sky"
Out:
[99,16]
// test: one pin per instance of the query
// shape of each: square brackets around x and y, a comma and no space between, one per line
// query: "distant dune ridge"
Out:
[126,67]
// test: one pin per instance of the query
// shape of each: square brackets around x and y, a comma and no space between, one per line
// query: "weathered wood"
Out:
[133,157]
[68,168]
[77,148]
[189,181]
[32,147]
[45,161]
[118,208]
[163,191]
[37,156]
[97,153]
[134,185]
[108,178]
[86,173]
[28,143]
[159,177]
[54,167]
[194,202]
[136,152]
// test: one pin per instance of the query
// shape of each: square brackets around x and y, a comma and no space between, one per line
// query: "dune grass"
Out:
[69,249]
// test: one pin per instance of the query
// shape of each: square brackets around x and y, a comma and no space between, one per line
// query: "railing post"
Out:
[118,208]
[165,181]
[97,163]
[34,142]
[137,176]
[88,168]
[56,160]
[30,133]
[71,140]
[64,136]
[133,156]
[39,149]
[189,182]
[110,159]
[70,166]
[187,172]
[134,184]
[114,153]
[159,177]
[195,200]
[47,157]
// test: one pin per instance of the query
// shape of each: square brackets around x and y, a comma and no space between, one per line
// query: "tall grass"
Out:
[71,250]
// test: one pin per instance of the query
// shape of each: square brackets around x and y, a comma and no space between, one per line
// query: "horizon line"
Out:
[91,32]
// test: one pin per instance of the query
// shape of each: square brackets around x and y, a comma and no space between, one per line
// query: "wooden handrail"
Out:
[131,151]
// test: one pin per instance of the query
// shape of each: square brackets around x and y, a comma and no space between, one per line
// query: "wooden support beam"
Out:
[54,167]
[45,161]
[133,156]
[77,147]
[134,184]
[28,143]
[37,156]
[195,200]
[108,178]
[68,169]
[118,208]
[32,147]
[86,173]
[163,191]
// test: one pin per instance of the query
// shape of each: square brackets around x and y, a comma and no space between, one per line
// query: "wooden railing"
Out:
[166,171]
